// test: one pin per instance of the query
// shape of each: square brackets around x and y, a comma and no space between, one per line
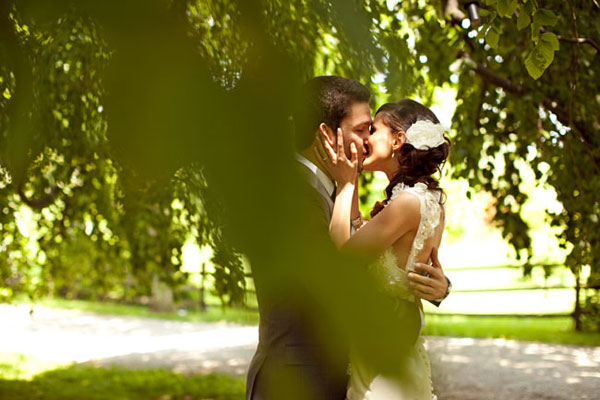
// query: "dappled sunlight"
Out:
[463,368]
[232,360]
[68,335]
[146,156]
[511,368]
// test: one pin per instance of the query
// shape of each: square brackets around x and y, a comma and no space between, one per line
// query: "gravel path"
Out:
[463,368]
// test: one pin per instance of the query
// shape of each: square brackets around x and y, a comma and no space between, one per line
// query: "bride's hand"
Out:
[342,169]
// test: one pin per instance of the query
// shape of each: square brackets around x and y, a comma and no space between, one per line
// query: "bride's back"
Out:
[431,227]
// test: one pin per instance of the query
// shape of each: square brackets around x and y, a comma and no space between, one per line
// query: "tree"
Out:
[527,92]
[99,231]
[158,76]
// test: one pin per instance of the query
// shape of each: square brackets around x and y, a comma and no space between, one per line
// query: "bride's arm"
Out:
[345,173]
[355,212]
[339,228]
[394,221]
[339,221]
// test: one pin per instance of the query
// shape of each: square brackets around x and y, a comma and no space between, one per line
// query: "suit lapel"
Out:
[314,181]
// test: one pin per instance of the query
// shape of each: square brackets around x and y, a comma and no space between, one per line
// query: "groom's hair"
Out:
[325,99]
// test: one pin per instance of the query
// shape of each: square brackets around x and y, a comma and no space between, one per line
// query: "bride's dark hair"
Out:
[415,165]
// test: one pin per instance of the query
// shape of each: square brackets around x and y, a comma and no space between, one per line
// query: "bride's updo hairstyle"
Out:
[415,165]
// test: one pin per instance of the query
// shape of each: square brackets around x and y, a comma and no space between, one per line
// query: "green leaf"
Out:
[535,32]
[523,20]
[529,7]
[506,8]
[551,39]
[540,58]
[545,17]
[484,13]
[534,71]
[492,38]
[547,50]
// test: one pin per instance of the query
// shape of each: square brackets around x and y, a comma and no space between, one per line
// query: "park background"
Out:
[117,196]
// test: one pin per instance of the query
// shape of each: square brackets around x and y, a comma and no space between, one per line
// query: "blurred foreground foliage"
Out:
[127,127]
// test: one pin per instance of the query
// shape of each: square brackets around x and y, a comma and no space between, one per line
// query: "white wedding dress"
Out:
[414,380]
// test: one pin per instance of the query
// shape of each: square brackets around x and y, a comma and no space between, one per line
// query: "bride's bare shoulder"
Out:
[405,204]
[406,199]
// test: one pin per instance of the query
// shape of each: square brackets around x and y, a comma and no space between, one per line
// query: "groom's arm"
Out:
[429,281]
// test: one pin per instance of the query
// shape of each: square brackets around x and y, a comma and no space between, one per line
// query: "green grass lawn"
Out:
[115,383]
[547,329]
[212,314]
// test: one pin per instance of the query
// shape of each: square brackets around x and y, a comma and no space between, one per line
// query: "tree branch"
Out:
[41,202]
[579,41]
[576,39]
[574,65]
[19,138]
[494,78]
[480,105]
[468,41]
[452,10]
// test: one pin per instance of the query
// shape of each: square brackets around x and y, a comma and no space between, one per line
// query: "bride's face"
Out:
[380,144]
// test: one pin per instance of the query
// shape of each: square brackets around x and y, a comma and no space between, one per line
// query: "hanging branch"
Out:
[482,93]
[492,77]
[552,105]
[574,66]
[41,202]
[453,11]
[579,41]
[576,40]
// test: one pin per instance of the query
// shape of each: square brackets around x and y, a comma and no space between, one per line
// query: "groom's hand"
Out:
[429,281]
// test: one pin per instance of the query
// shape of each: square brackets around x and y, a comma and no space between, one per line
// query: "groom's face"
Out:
[355,128]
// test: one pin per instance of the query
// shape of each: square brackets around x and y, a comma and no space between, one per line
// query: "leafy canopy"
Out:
[114,125]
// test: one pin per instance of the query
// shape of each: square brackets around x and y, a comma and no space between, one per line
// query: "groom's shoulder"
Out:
[307,179]
[303,171]
[308,196]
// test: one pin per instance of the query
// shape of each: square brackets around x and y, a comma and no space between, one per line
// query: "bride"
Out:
[407,143]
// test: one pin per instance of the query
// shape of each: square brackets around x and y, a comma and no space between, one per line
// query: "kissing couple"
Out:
[336,139]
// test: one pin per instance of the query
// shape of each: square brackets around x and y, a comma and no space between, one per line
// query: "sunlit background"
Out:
[144,169]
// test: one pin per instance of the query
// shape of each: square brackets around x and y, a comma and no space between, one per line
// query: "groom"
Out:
[289,351]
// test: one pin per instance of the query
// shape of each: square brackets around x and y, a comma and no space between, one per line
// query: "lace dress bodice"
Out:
[366,384]
[391,276]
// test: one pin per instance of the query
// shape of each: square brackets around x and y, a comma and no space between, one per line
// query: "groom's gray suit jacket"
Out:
[289,352]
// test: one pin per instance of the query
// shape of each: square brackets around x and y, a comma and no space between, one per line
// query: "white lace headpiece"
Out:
[425,135]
